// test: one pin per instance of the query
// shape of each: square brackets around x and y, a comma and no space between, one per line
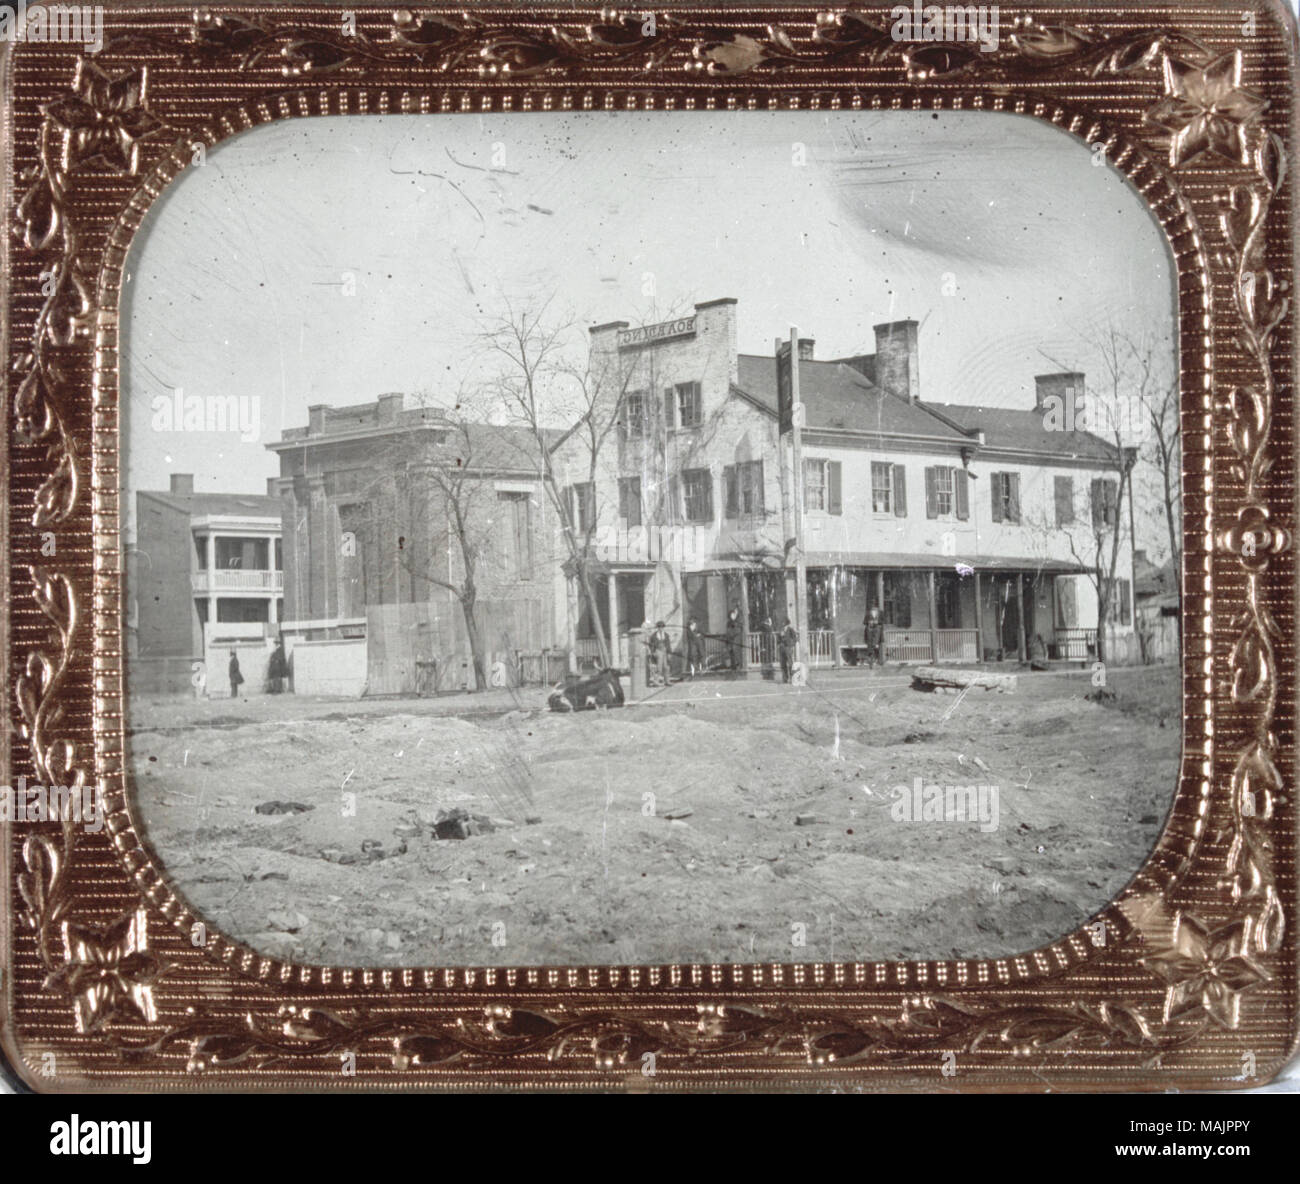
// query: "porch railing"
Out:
[1073,644]
[931,645]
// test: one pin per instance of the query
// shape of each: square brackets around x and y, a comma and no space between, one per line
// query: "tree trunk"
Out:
[467,603]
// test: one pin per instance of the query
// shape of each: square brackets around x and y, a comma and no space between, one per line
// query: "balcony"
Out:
[236,579]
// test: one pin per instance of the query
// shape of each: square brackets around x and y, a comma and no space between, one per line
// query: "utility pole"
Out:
[796,444]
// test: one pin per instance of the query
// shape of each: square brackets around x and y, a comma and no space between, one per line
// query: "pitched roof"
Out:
[839,396]
[1019,430]
[218,505]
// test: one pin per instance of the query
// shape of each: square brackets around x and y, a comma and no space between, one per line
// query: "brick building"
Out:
[199,559]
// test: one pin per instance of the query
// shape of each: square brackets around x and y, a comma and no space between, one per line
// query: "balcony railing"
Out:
[237,579]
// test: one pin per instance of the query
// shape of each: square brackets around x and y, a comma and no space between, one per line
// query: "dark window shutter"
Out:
[670,399]
[995,491]
[1124,618]
[834,495]
[707,477]
[1013,507]
[961,493]
[1064,500]
[931,500]
[756,475]
[1098,510]
[731,495]
[900,491]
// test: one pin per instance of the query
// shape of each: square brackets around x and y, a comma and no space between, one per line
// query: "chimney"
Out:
[389,408]
[182,483]
[273,487]
[897,371]
[316,419]
[1066,390]
[806,345]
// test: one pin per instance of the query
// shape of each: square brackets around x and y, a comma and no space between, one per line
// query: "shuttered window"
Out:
[1064,493]
[1005,491]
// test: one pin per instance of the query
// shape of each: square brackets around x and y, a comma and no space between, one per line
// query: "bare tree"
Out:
[450,508]
[538,386]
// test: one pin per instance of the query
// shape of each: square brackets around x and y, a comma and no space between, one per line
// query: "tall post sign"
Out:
[789,423]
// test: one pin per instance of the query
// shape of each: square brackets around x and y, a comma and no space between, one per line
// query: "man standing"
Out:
[661,647]
[277,669]
[873,633]
[694,648]
[735,638]
[788,643]
[236,677]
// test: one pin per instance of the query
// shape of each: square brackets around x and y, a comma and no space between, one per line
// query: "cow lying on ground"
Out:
[577,693]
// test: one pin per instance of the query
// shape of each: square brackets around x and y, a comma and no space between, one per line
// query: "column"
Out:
[834,577]
[212,578]
[744,619]
[611,590]
[1020,613]
[934,616]
[979,620]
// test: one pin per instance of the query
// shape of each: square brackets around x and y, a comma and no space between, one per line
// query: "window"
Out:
[697,495]
[1005,488]
[635,410]
[629,500]
[689,405]
[516,533]
[582,506]
[939,491]
[882,487]
[1105,502]
[821,486]
[744,489]
[1064,491]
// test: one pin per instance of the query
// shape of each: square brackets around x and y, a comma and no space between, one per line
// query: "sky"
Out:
[330,260]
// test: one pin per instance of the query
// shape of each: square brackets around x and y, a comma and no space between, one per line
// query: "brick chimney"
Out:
[183,483]
[316,419]
[897,369]
[806,348]
[1067,391]
[388,408]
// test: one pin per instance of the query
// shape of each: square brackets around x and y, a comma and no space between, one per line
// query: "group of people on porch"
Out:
[782,643]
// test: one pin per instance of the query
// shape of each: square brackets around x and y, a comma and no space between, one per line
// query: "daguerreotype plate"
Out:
[657,549]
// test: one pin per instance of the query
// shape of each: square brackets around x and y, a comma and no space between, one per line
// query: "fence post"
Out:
[636,664]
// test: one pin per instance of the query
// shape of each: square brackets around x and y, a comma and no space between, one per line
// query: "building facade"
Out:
[378,503]
[978,532]
[204,566]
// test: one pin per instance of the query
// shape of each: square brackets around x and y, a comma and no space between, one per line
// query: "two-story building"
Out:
[979,532]
[205,566]
[378,501]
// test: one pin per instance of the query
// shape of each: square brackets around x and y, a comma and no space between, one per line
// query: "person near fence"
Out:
[788,643]
[661,647]
[236,677]
[735,638]
[694,649]
[767,648]
[873,633]
[277,669]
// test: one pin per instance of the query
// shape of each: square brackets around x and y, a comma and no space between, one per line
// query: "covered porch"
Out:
[967,610]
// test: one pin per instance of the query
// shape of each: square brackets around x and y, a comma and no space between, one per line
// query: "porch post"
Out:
[611,591]
[744,619]
[833,574]
[1020,613]
[880,591]
[979,620]
[934,622]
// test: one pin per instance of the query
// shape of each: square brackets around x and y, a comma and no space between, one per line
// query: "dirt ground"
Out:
[722,822]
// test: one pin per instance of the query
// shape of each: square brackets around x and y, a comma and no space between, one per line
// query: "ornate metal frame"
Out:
[1194,982]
